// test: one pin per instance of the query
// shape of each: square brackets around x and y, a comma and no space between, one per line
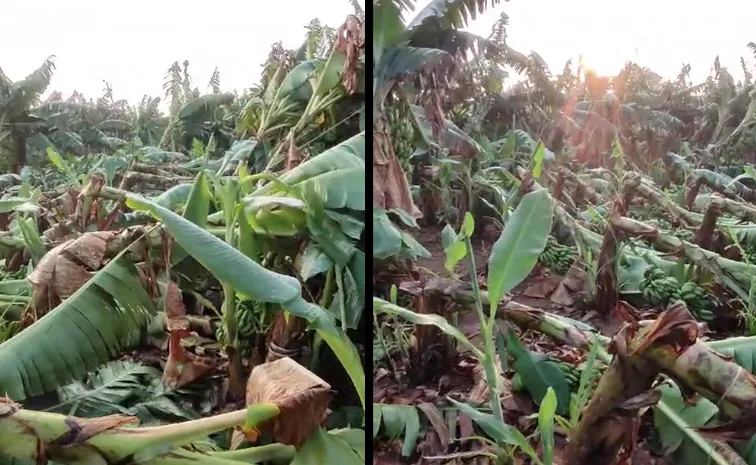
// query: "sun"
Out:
[602,65]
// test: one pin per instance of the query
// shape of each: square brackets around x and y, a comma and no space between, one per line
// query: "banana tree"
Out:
[402,52]
[284,119]
[16,101]
[283,399]
[200,118]
[323,199]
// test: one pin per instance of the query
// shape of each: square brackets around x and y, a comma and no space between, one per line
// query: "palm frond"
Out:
[106,391]
[28,127]
[454,42]
[25,93]
[173,87]
[499,31]
[452,14]
[114,125]
[70,109]
[214,83]
[129,388]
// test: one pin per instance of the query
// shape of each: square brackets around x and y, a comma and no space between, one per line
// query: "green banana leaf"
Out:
[231,266]
[105,316]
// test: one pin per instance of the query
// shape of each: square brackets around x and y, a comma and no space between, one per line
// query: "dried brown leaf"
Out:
[301,395]
[675,328]
[69,277]
[350,40]
[182,366]
[437,421]
[90,248]
[390,187]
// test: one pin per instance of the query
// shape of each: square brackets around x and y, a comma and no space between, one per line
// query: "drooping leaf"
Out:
[354,437]
[349,299]
[239,151]
[203,104]
[313,261]
[381,306]
[225,262]
[377,416]
[388,25]
[388,240]
[452,14]
[61,165]
[249,278]
[500,432]
[346,157]
[350,225]
[676,425]
[31,236]
[296,85]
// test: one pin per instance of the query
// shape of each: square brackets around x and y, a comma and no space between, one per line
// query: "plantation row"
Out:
[563,266]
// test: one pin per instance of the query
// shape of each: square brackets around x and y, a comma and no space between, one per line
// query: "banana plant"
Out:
[247,277]
[513,257]
[400,53]
[290,105]
[17,99]
[34,435]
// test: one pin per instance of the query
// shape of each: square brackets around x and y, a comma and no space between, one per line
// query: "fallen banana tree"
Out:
[730,273]
[641,352]
[284,400]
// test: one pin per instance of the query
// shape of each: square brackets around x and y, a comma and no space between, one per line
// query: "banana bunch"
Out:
[697,301]
[557,257]
[246,326]
[402,135]
[684,234]
[571,373]
[658,288]
[12,275]
[8,329]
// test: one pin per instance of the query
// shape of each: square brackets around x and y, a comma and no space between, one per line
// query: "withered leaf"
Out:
[675,327]
[301,395]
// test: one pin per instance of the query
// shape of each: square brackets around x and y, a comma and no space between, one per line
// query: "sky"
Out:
[660,34]
[131,44]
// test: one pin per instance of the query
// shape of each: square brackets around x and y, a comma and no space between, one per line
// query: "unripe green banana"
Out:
[557,257]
